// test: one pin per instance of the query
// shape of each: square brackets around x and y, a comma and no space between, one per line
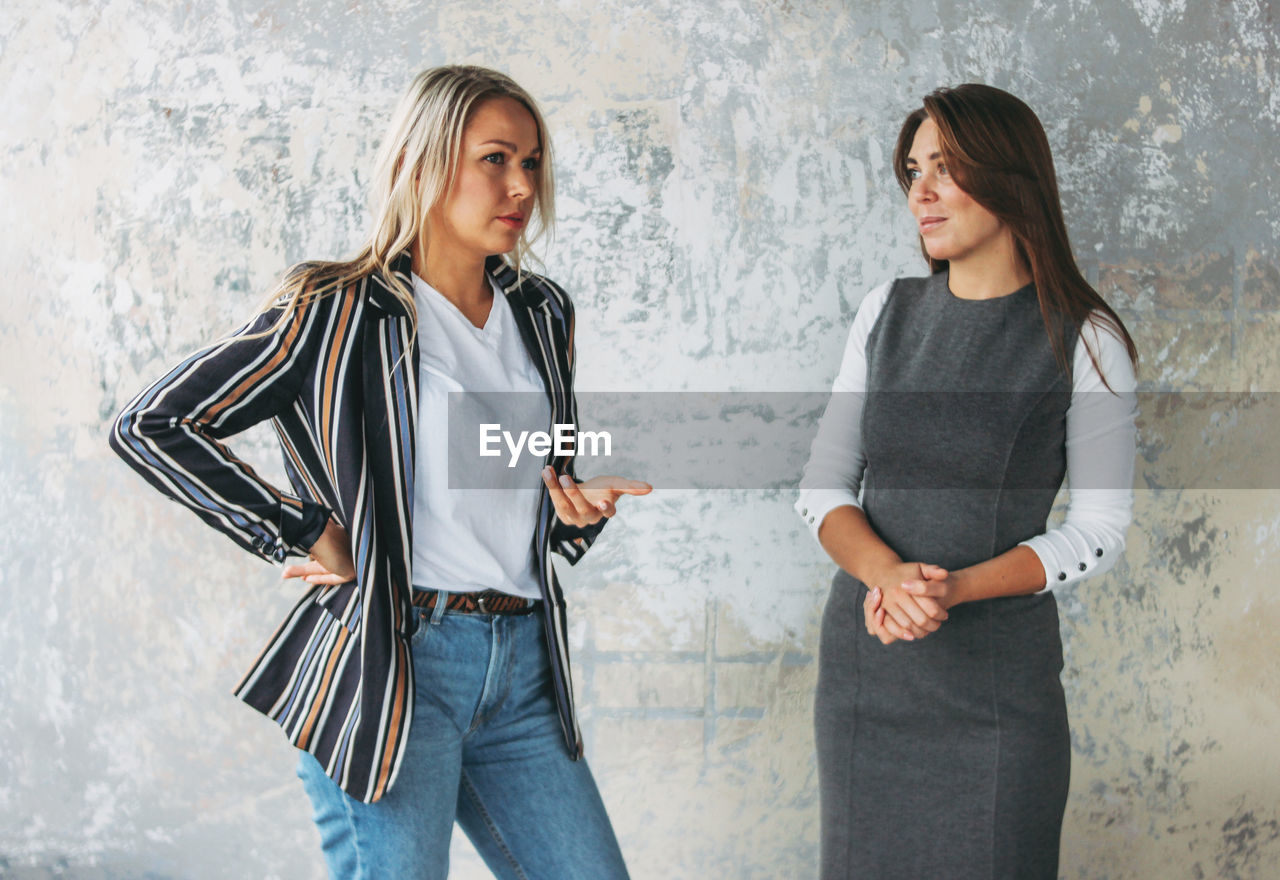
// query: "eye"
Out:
[495,159]
[913,173]
[942,170]
[531,163]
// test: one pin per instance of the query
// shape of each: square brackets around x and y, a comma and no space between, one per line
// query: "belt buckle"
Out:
[482,603]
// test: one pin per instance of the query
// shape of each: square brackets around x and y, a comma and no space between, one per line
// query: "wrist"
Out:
[327,533]
[883,574]
[962,586]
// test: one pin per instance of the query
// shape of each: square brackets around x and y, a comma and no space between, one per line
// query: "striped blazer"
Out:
[337,385]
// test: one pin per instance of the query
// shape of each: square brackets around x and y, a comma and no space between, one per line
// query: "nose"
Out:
[521,182]
[922,189]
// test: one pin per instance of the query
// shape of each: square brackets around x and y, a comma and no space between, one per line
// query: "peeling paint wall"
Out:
[725,202]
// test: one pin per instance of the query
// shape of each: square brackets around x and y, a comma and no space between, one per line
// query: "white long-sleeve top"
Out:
[1101,437]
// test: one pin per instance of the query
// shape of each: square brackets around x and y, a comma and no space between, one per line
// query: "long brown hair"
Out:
[997,152]
[414,168]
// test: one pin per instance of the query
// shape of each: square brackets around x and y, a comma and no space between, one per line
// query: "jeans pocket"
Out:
[424,624]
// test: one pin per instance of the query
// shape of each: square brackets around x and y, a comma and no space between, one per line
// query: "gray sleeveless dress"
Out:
[949,757]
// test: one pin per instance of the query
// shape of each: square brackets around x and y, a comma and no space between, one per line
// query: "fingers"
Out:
[909,617]
[890,631]
[926,595]
[604,492]
[303,570]
[870,608]
[874,617]
[326,579]
[632,487]
[921,623]
[899,620]
[933,609]
[885,629]
[582,504]
[934,572]
[917,614]
[931,588]
[571,505]
[313,573]
[881,632]
[618,485]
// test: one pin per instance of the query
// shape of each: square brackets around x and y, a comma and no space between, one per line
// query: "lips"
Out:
[928,224]
[515,221]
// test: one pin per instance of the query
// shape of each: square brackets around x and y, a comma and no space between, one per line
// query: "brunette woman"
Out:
[424,675]
[962,400]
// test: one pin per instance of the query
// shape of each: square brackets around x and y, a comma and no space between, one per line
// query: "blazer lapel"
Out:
[533,316]
[390,384]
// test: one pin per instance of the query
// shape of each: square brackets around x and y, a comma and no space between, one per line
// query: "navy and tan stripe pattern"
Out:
[339,383]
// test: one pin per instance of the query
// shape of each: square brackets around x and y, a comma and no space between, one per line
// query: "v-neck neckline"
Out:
[491,329]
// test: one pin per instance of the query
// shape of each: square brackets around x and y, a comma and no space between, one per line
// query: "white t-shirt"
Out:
[466,540]
[1101,439]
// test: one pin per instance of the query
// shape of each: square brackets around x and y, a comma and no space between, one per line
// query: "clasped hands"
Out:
[908,601]
[576,504]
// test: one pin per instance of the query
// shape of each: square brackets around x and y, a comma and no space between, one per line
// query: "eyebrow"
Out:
[510,146]
[911,160]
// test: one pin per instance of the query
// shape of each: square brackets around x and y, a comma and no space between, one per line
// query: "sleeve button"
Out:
[1062,575]
[1098,552]
[804,512]
[1082,566]
[810,519]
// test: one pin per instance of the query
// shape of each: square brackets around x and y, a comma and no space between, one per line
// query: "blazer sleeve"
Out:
[571,541]
[172,432]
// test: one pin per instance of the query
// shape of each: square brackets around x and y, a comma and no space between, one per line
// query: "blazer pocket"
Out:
[342,601]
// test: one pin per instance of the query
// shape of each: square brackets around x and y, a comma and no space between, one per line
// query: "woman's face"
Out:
[492,193]
[953,226]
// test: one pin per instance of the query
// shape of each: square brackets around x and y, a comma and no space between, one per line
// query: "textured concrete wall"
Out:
[726,200]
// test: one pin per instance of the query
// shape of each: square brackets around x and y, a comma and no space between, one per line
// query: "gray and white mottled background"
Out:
[725,202]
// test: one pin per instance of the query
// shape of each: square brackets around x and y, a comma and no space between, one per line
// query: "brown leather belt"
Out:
[486,602]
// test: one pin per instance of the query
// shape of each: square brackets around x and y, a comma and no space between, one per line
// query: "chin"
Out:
[494,247]
[505,244]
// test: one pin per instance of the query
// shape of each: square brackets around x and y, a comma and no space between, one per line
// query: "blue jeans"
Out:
[485,749]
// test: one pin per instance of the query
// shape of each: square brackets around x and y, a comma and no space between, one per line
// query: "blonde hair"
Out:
[414,167]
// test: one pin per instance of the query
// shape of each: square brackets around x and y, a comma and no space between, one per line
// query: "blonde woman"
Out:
[424,675]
